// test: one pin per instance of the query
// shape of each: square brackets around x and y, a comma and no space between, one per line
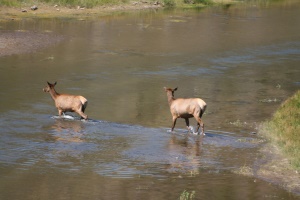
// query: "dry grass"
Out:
[275,168]
[97,3]
[71,3]
[50,11]
[251,140]
[244,170]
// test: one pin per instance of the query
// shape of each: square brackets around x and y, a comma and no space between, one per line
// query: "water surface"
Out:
[242,60]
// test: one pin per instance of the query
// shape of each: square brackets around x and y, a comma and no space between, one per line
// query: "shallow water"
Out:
[242,60]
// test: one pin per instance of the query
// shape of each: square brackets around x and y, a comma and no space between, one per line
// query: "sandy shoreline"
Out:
[47,11]
[22,41]
[271,166]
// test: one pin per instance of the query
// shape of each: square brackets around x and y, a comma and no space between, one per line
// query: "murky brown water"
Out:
[242,60]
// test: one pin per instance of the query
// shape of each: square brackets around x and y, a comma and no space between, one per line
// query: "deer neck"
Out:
[170,98]
[53,94]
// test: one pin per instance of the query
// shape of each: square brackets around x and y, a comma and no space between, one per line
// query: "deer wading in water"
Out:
[66,102]
[186,108]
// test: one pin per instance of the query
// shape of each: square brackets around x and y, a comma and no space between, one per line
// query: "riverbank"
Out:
[49,11]
[279,161]
[45,10]
[23,41]
[282,132]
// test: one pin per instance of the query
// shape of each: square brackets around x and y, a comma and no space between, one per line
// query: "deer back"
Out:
[189,106]
[67,101]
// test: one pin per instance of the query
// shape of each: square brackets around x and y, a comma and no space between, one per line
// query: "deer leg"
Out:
[199,123]
[60,112]
[173,124]
[83,116]
[202,129]
[187,122]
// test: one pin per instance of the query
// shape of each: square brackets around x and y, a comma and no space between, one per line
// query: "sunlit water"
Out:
[242,60]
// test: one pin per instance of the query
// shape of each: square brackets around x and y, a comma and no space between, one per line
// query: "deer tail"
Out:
[84,102]
[203,108]
[84,106]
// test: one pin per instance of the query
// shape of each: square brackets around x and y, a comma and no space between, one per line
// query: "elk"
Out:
[66,102]
[186,108]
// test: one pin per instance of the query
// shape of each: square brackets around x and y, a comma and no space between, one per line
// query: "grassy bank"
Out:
[283,130]
[95,3]
[84,9]
[279,160]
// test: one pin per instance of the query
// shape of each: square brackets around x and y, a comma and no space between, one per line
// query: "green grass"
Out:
[284,129]
[187,3]
[186,195]
[11,3]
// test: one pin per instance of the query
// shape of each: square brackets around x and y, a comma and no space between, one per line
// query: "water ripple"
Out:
[264,55]
[111,149]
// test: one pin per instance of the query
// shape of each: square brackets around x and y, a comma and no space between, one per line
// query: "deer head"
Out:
[170,90]
[49,87]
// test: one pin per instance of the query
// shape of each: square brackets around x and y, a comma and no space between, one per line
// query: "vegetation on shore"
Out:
[95,3]
[284,128]
[71,3]
[279,160]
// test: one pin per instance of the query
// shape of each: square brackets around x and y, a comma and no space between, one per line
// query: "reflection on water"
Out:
[237,59]
[65,143]
[74,153]
[188,147]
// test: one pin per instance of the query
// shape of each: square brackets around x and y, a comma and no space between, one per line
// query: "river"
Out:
[243,60]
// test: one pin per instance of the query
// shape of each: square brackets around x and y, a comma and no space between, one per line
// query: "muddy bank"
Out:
[271,166]
[275,168]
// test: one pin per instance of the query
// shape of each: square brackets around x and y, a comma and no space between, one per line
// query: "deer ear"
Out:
[55,83]
[175,89]
[48,83]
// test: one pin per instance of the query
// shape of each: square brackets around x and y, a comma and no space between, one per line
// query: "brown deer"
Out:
[66,102]
[186,108]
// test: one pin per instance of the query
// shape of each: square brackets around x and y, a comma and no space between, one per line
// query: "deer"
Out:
[67,102]
[186,108]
